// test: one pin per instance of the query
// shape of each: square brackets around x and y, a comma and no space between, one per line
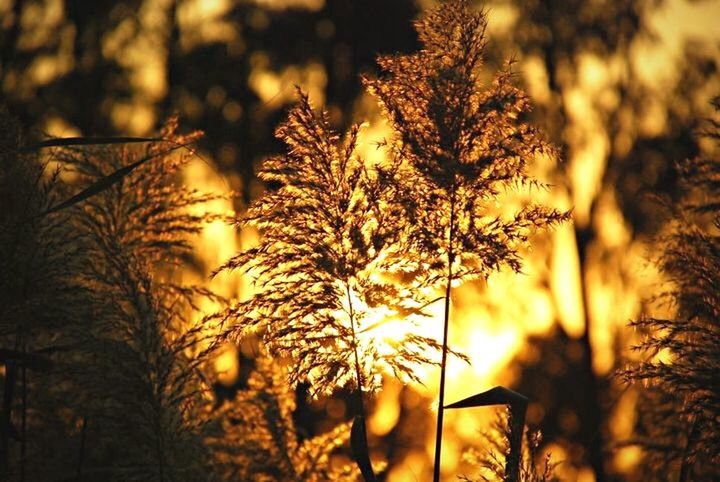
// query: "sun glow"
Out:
[490,322]
[619,103]
[380,330]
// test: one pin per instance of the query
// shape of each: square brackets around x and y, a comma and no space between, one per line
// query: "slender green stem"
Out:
[443,364]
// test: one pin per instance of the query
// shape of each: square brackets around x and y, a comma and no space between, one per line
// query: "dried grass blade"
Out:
[518,408]
[86,141]
[358,445]
[106,182]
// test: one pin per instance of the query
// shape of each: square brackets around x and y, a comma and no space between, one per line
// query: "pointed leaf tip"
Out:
[86,141]
[106,182]
[359,447]
[495,396]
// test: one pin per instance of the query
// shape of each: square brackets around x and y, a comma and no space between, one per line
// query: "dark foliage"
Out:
[489,460]
[257,438]
[680,409]
[149,413]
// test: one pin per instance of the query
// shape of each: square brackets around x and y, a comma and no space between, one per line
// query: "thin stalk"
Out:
[159,444]
[686,460]
[81,454]
[8,392]
[359,433]
[443,364]
[358,372]
[23,423]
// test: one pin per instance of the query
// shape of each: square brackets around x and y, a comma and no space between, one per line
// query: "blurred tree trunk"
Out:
[10,41]
[172,48]
[591,430]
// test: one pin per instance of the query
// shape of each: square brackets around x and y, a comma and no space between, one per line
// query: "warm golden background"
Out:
[619,85]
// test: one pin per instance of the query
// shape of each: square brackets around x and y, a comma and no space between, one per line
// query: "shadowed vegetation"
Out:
[412,178]
[679,423]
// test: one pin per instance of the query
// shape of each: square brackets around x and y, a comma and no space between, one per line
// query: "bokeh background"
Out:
[620,86]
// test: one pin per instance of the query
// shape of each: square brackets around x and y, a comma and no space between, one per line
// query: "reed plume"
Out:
[680,406]
[464,144]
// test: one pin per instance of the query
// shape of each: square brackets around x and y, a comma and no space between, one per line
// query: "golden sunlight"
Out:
[375,186]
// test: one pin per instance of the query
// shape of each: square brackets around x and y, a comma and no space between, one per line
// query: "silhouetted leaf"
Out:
[495,396]
[104,183]
[358,444]
[86,141]
[518,407]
